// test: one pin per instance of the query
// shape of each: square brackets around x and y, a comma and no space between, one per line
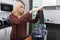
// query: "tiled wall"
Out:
[4,14]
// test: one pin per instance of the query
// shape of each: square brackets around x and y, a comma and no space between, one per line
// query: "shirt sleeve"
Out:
[28,18]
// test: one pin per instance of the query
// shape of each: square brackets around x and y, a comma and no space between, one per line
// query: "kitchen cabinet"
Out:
[2,34]
[7,33]
[58,2]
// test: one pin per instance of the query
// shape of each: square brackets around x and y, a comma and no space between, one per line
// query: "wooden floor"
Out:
[29,38]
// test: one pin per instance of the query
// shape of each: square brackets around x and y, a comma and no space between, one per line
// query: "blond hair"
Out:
[16,6]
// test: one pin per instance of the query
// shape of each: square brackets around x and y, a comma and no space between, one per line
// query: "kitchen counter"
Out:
[2,27]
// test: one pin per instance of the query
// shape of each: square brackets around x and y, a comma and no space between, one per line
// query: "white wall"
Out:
[26,5]
[49,2]
[4,14]
[7,1]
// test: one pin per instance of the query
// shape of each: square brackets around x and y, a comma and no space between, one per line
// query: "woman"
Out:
[19,20]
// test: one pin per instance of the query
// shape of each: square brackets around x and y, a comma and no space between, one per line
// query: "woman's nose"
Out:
[22,8]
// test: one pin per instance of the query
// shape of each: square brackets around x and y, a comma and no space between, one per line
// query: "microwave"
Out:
[6,7]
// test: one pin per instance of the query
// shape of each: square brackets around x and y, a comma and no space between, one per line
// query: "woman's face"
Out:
[21,9]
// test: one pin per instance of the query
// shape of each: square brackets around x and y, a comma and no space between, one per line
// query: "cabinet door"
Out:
[58,2]
[2,34]
[7,33]
[49,2]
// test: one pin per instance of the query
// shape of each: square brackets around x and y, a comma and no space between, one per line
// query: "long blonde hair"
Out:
[16,6]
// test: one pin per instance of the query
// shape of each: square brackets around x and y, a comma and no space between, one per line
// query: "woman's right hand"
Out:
[36,9]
